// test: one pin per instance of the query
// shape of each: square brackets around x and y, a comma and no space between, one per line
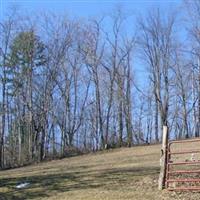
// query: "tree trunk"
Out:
[3,118]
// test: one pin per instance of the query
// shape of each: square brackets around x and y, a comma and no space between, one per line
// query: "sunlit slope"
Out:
[126,173]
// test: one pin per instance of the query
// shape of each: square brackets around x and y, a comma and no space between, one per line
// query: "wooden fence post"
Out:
[163,159]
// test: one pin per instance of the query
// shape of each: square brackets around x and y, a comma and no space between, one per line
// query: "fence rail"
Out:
[178,173]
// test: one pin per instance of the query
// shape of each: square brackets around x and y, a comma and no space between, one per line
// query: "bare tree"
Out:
[157,35]
[193,9]
[7,28]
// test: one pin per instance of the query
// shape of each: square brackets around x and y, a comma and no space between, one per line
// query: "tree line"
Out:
[75,85]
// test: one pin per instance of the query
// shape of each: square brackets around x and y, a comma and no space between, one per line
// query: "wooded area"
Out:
[70,85]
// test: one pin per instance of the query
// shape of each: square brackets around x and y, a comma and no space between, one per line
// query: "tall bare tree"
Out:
[157,42]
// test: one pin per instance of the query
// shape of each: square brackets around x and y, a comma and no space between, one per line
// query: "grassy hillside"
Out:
[127,173]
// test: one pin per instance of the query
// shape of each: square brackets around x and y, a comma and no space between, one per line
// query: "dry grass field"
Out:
[121,174]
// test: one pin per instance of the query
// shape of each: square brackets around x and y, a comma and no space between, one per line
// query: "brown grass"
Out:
[121,174]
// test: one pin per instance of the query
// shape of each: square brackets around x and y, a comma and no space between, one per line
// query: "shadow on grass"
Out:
[45,185]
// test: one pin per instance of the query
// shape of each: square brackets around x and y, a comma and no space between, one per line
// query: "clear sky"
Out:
[85,8]
[88,8]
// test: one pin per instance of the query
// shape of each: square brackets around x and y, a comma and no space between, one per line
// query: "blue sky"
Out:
[85,8]
[89,8]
